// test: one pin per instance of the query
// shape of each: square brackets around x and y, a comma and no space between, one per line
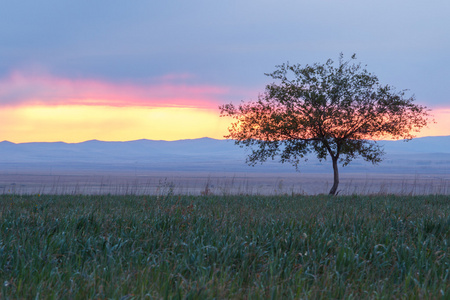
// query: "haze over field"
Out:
[420,166]
[421,155]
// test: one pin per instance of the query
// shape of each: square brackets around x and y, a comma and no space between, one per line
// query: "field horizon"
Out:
[201,183]
[420,166]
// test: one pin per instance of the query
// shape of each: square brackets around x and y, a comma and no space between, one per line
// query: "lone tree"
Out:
[336,110]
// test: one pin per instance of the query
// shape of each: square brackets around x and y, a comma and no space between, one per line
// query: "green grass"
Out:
[78,247]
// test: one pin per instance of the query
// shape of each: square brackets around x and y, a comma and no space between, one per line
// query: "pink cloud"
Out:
[29,89]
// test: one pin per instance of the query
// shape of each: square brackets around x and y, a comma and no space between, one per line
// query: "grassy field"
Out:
[125,247]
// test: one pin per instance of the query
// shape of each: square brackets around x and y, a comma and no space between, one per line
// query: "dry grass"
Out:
[201,183]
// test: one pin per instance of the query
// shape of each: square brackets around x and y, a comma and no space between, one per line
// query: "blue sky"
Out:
[224,44]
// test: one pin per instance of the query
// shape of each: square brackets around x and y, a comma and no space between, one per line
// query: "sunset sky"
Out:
[118,71]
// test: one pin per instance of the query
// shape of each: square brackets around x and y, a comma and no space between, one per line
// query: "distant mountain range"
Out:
[420,155]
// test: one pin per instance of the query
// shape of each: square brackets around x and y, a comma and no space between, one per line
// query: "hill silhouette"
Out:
[420,155]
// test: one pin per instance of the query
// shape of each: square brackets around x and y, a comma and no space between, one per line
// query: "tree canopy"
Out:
[336,110]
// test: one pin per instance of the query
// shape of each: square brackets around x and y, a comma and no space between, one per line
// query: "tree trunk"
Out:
[336,177]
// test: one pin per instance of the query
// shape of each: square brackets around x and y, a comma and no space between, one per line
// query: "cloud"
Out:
[19,89]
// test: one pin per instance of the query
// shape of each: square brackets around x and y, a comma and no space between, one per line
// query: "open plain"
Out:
[200,183]
[195,167]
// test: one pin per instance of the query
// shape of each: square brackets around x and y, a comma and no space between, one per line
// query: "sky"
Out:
[116,71]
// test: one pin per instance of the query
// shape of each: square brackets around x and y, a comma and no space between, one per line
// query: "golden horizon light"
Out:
[76,123]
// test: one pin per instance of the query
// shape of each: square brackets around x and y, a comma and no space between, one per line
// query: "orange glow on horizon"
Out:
[442,125]
[77,123]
